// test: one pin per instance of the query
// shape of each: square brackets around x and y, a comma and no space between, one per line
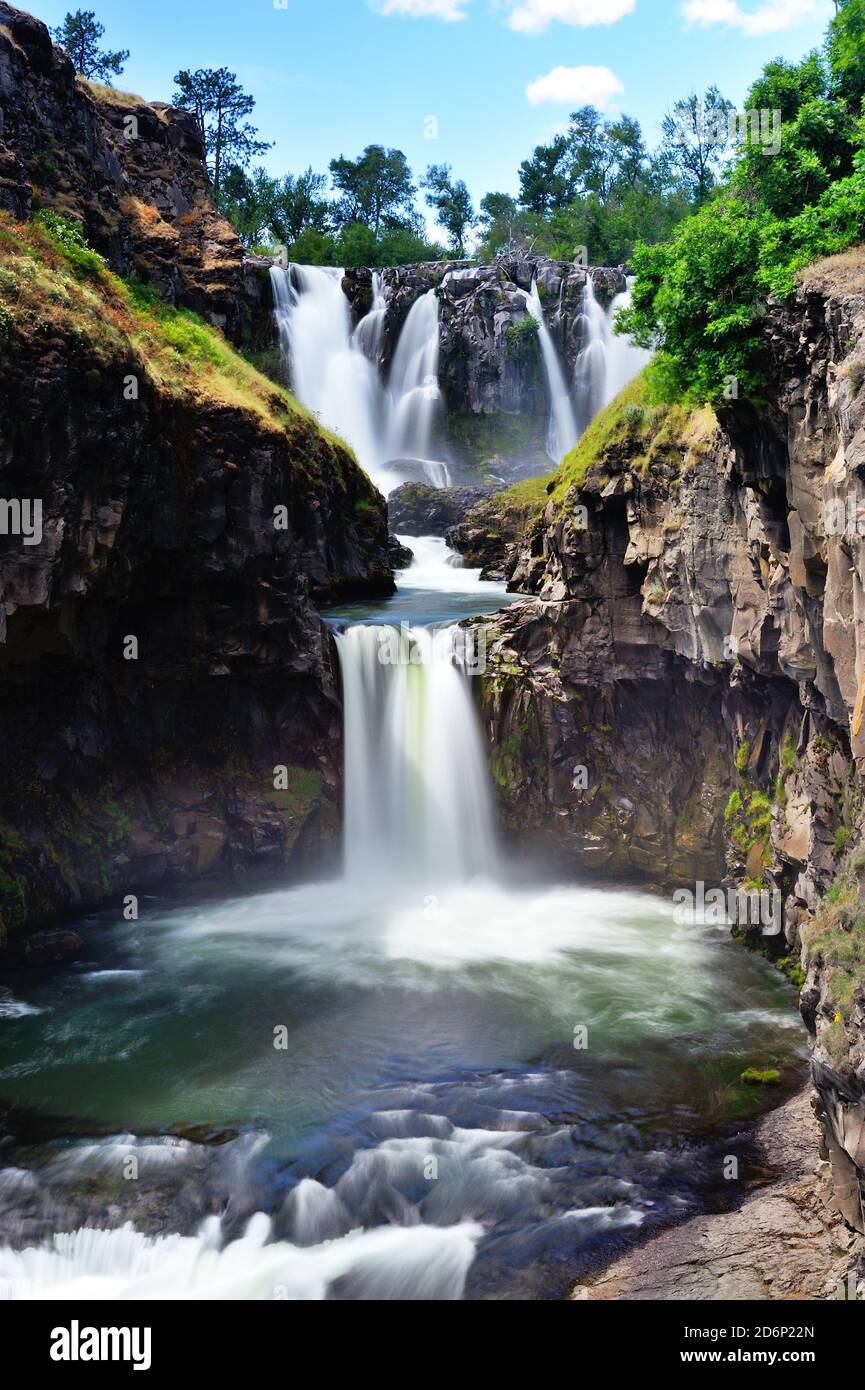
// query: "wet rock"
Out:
[49,948]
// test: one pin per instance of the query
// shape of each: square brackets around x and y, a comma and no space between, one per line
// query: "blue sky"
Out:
[330,76]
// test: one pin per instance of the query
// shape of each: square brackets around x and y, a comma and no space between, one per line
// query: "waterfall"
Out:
[417,801]
[590,368]
[330,375]
[607,361]
[369,334]
[413,386]
[562,433]
[624,359]
[335,372]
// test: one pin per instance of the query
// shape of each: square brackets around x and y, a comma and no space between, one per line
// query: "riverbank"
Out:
[781,1242]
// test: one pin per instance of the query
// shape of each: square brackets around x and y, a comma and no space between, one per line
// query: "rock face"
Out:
[168,698]
[131,171]
[416,510]
[781,1243]
[683,696]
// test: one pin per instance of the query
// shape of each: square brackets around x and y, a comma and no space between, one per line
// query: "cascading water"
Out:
[417,805]
[590,369]
[607,360]
[369,334]
[624,359]
[413,386]
[330,374]
[562,433]
[335,372]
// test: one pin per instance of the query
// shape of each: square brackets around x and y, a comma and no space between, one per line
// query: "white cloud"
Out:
[585,86]
[534,16]
[449,10]
[770,17]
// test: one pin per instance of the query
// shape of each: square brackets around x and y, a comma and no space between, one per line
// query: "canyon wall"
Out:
[168,695]
[682,698]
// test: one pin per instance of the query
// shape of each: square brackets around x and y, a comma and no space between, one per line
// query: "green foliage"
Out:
[836,939]
[452,204]
[794,197]
[522,334]
[842,836]
[69,237]
[376,189]
[220,106]
[733,807]
[79,35]
[743,753]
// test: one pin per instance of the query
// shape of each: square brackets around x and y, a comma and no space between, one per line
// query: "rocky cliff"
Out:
[682,699]
[132,172]
[167,692]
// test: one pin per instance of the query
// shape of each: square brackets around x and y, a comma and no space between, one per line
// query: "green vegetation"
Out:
[80,35]
[523,334]
[752,1077]
[836,939]
[742,755]
[51,281]
[700,297]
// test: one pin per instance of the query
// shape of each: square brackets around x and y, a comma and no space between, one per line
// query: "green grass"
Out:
[836,938]
[52,283]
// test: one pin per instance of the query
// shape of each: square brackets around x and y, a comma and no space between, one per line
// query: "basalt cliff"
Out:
[168,699]
[681,699]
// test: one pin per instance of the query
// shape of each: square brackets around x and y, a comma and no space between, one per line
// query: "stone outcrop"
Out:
[683,696]
[418,510]
[132,172]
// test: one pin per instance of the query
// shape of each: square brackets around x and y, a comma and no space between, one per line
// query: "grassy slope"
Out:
[46,284]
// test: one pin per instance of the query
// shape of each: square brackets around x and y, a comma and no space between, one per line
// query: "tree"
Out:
[79,35]
[545,178]
[847,52]
[696,137]
[376,188]
[220,106]
[452,203]
[297,205]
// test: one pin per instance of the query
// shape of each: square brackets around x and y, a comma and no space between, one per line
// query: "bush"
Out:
[68,237]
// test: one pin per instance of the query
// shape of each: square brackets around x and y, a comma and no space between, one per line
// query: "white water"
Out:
[335,372]
[562,432]
[417,804]
[607,361]
[369,334]
[430,1261]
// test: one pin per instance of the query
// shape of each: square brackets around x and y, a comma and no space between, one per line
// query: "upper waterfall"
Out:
[562,432]
[335,372]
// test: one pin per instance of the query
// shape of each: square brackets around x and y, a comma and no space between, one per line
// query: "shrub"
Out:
[69,238]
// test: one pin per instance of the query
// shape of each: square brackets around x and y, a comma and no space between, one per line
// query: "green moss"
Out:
[842,835]
[742,756]
[788,753]
[752,1077]
[733,807]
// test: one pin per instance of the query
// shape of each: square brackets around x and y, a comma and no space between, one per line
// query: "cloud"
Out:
[449,10]
[534,16]
[770,17]
[585,86]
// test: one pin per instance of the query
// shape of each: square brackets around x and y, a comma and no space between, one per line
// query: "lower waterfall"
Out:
[417,804]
